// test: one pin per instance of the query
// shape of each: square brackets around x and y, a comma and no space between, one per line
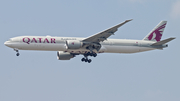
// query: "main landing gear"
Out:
[17,54]
[85,59]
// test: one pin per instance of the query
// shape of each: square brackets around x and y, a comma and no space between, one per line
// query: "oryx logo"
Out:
[157,33]
[72,43]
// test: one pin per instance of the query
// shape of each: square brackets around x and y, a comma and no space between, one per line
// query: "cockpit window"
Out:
[10,40]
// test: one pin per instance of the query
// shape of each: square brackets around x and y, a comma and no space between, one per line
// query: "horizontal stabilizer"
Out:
[162,42]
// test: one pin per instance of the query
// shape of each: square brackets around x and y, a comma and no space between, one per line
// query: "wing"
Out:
[104,34]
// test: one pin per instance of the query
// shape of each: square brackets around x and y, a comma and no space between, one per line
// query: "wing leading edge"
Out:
[104,34]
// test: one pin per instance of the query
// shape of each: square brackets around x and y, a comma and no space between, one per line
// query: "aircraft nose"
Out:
[7,43]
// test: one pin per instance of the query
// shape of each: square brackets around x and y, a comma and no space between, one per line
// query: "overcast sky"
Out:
[39,76]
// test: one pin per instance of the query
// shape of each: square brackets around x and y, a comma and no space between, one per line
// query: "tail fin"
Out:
[157,32]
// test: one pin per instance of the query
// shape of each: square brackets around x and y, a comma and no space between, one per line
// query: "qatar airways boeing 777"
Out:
[69,47]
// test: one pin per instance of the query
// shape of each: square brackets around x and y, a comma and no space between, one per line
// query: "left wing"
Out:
[104,34]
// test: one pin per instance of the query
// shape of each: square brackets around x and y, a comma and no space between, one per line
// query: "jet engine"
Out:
[64,55]
[73,44]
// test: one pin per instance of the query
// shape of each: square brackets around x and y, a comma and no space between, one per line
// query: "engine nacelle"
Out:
[73,44]
[64,55]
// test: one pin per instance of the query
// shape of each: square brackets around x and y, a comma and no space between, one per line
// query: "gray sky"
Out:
[39,76]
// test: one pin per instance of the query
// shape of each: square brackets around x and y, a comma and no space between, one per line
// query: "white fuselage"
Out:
[48,43]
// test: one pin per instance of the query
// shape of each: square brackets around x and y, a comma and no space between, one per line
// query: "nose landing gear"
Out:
[17,54]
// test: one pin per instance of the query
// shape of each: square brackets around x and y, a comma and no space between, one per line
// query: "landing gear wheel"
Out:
[89,61]
[83,59]
[94,54]
[88,53]
[17,54]
[86,60]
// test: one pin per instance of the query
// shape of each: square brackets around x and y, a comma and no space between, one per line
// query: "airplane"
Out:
[69,47]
